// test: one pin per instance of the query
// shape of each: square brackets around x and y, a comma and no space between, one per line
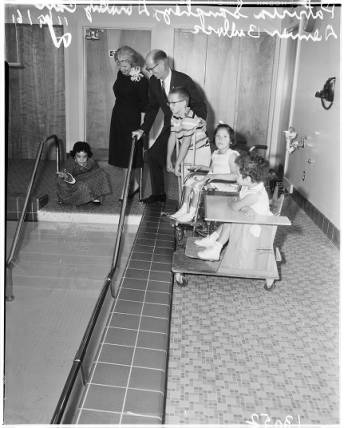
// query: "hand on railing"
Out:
[137,134]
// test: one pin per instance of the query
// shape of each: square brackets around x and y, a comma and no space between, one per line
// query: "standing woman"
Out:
[131,92]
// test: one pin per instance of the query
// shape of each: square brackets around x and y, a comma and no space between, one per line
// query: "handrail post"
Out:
[58,154]
[10,260]
[122,214]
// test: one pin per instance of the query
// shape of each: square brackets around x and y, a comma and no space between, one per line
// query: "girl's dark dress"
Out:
[131,100]
[91,183]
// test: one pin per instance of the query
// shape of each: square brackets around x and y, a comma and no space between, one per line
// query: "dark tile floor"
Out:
[128,381]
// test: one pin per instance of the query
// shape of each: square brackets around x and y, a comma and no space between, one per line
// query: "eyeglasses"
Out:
[122,62]
[150,69]
[174,102]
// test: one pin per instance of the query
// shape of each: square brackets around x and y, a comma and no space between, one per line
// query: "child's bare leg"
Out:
[187,193]
[224,233]
[185,204]
[194,199]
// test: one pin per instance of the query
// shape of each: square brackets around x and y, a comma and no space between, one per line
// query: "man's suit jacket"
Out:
[158,99]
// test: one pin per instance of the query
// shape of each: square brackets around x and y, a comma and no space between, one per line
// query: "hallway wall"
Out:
[162,25]
[315,170]
[36,91]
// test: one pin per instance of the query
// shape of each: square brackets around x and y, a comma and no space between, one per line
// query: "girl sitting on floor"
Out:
[91,182]
[222,167]
[253,199]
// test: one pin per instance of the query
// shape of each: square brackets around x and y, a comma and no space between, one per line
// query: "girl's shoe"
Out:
[187,217]
[211,253]
[208,241]
[182,210]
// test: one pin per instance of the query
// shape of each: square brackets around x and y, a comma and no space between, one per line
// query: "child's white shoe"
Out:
[182,210]
[211,253]
[187,217]
[208,241]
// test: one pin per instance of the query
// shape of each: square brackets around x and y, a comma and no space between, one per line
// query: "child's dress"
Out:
[261,206]
[91,183]
[219,165]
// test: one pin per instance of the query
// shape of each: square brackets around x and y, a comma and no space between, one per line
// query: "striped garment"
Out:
[188,126]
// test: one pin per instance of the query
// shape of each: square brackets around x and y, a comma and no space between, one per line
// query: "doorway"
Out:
[101,72]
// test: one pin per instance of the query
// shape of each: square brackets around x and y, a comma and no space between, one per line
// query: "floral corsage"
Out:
[135,74]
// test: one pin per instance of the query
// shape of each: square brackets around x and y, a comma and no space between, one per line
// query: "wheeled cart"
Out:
[249,254]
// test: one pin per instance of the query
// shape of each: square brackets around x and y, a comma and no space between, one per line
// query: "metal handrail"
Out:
[10,260]
[80,354]
[122,216]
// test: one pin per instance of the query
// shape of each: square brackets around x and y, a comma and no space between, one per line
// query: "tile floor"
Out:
[238,351]
[128,380]
[59,273]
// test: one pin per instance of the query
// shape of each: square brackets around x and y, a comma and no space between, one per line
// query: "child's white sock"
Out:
[211,253]
[208,240]
[182,210]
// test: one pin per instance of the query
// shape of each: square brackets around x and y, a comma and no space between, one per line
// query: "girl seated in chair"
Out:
[222,167]
[253,199]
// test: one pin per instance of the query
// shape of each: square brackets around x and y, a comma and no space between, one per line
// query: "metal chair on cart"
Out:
[246,256]
[198,225]
[227,188]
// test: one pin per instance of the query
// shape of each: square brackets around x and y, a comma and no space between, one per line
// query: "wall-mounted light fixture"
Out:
[93,33]
[327,93]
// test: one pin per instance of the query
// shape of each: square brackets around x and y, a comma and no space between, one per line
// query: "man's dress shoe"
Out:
[154,198]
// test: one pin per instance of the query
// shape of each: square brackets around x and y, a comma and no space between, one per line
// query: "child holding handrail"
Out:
[222,167]
[253,199]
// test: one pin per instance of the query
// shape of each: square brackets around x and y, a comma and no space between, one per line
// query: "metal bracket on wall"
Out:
[93,33]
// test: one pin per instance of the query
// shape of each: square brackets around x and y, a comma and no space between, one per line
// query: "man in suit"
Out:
[162,80]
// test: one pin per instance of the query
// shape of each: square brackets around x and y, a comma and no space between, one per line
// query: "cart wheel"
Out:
[269,284]
[181,280]
[179,234]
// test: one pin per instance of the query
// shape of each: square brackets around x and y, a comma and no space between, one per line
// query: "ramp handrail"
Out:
[12,253]
[59,415]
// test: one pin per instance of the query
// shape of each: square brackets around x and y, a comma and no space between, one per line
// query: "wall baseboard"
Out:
[318,218]
[288,185]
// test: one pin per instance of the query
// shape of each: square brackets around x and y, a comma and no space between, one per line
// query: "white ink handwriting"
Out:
[66,38]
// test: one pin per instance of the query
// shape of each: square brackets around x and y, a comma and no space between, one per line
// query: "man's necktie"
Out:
[163,87]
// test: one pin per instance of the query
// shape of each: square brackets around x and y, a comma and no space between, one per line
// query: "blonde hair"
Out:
[134,57]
